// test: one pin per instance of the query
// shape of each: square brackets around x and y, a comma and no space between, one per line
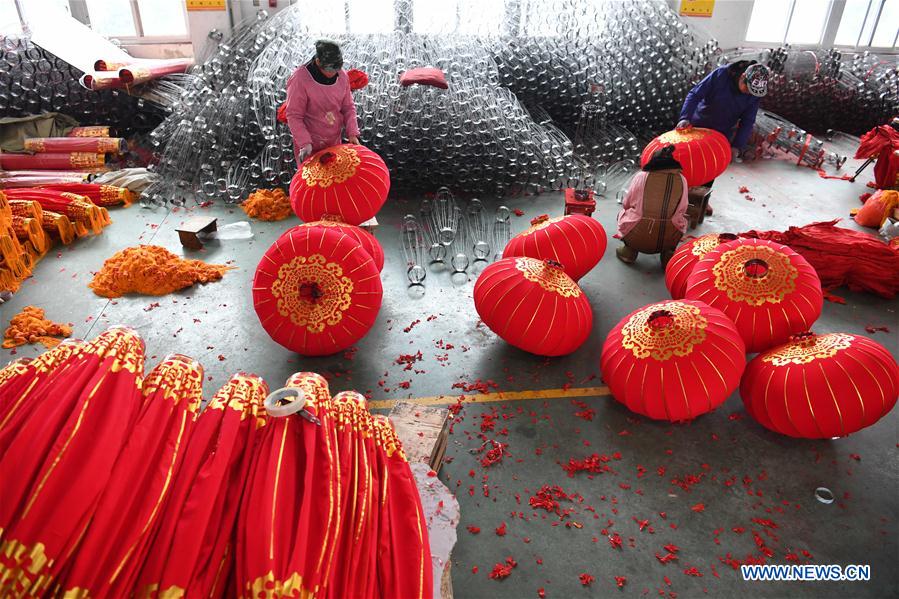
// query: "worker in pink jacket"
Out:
[319,103]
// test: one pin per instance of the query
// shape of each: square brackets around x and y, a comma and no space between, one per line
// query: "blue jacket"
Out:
[717,103]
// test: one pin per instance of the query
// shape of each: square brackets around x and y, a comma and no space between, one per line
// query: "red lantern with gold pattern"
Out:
[365,239]
[575,241]
[767,289]
[686,257]
[673,360]
[821,386]
[347,180]
[703,153]
[316,291]
[533,305]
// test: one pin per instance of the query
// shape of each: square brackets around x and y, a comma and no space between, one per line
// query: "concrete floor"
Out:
[736,469]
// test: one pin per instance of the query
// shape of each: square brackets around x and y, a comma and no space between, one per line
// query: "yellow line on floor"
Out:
[441,400]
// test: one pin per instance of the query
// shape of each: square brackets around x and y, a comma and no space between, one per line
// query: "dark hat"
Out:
[328,54]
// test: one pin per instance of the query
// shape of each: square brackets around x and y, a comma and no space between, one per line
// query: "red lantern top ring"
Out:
[755,274]
[541,222]
[299,287]
[663,330]
[334,166]
[549,275]
[808,347]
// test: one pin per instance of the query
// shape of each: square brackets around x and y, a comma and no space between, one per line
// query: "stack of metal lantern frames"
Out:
[555,94]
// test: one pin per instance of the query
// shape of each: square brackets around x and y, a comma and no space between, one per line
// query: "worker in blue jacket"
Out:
[727,100]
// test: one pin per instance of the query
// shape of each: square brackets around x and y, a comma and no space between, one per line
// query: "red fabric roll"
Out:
[575,241]
[703,153]
[346,180]
[93,145]
[821,386]
[842,256]
[767,289]
[673,360]
[316,291]
[686,257]
[100,195]
[365,239]
[533,305]
[53,161]
[90,131]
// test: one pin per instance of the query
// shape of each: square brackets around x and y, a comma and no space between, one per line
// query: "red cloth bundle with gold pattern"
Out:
[90,131]
[53,161]
[404,555]
[365,239]
[59,459]
[673,360]
[289,516]
[681,264]
[821,386]
[703,153]
[77,207]
[533,305]
[575,241]
[316,291]
[842,256]
[136,496]
[100,195]
[347,180]
[192,553]
[767,289]
[58,225]
[94,145]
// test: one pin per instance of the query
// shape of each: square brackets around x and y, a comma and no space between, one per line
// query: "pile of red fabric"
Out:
[841,256]
[883,142]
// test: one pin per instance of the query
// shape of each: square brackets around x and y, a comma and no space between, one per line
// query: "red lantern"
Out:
[767,289]
[686,257]
[703,153]
[673,360]
[575,241]
[346,180]
[365,239]
[821,386]
[533,305]
[316,291]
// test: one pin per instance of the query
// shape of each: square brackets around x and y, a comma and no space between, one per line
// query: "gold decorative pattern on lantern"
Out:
[684,135]
[35,145]
[152,592]
[804,350]
[331,167]
[177,376]
[541,222]
[244,393]
[318,395]
[551,278]
[22,566]
[266,587]
[705,244]
[772,285]
[13,370]
[86,160]
[91,131]
[387,438]
[664,330]
[312,292]
[49,360]
[350,411]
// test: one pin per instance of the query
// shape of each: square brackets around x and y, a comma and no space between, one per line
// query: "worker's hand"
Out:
[683,124]
[353,140]
[735,154]
[304,152]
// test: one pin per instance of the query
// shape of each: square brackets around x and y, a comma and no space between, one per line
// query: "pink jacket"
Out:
[316,113]
[632,206]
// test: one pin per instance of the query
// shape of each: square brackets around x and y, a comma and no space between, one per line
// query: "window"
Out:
[865,23]
[371,16]
[788,21]
[469,17]
[123,19]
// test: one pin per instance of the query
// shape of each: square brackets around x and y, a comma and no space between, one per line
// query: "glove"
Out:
[683,124]
[304,152]
[735,154]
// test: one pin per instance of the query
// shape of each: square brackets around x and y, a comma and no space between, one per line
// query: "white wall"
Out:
[728,22]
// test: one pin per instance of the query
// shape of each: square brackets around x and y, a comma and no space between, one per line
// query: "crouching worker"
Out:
[653,216]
